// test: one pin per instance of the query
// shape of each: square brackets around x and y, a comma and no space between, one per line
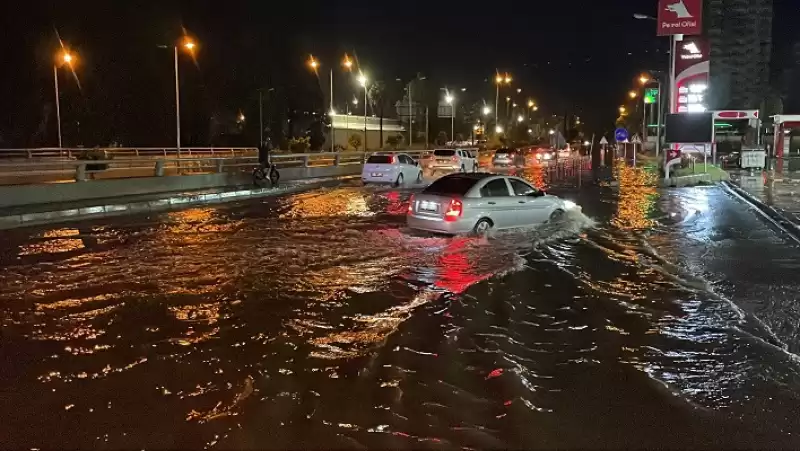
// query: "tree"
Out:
[355,141]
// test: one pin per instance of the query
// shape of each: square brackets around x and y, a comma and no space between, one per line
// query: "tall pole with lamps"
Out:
[451,101]
[189,45]
[64,58]
[362,79]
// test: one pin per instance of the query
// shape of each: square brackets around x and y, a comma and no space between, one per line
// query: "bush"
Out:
[394,141]
[300,145]
[355,141]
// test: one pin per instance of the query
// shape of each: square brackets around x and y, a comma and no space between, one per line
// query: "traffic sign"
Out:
[621,135]
[650,95]
[603,141]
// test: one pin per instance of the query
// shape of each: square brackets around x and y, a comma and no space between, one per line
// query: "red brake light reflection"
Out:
[454,210]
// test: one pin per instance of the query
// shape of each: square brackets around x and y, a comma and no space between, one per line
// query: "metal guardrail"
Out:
[125,152]
[46,170]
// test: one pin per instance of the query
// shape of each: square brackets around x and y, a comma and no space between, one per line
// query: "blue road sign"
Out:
[621,135]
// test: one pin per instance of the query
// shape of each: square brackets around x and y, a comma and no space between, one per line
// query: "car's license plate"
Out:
[428,206]
[442,161]
[377,174]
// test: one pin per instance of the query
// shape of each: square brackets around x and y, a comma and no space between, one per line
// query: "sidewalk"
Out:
[777,198]
[40,214]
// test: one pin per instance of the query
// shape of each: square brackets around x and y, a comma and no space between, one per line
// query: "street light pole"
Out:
[177,106]
[58,104]
[333,129]
[365,116]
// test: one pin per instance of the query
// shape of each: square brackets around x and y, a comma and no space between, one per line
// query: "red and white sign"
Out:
[736,114]
[680,17]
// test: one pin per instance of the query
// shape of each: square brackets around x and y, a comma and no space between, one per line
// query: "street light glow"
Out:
[530,104]
[498,129]
[520,118]
[508,99]
[498,79]
[66,57]
[535,108]
[586,143]
[644,79]
[622,109]
[312,62]
[475,128]
[519,90]
[347,62]
[508,79]
[552,132]
[514,104]
[449,99]
[362,80]
[486,110]
[188,44]
[632,94]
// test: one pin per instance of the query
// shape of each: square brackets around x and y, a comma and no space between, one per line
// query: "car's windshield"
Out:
[451,185]
[444,152]
[380,159]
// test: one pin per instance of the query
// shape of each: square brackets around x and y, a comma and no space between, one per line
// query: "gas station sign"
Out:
[650,95]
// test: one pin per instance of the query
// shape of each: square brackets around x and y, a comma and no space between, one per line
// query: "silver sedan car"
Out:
[462,203]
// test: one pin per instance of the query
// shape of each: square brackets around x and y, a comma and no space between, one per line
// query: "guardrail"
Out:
[72,170]
[128,152]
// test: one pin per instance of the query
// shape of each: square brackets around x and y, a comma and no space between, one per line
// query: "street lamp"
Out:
[551,132]
[531,104]
[632,94]
[362,80]
[313,63]
[347,63]
[622,110]
[499,80]
[520,118]
[644,79]
[486,110]
[451,101]
[64,58]
[188,45]
[498,129]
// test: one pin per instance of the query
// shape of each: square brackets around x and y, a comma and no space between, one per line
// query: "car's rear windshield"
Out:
[444,152]
[451,185]
[504,151]
[380,159]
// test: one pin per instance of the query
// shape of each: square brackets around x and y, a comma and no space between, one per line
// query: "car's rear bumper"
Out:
[437,225]
[386,178]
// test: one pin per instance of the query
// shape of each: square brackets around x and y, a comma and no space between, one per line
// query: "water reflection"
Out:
[637,197]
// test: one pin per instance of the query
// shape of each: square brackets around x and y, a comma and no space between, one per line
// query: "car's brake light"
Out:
[391,159]
[411,204]
[455,158]
[454,210]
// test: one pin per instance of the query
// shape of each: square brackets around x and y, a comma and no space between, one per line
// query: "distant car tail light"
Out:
[411,204]
[454,210]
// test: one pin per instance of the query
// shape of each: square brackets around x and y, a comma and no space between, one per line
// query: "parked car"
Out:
[508,157]
[453,160]
[395,168]
[461,203]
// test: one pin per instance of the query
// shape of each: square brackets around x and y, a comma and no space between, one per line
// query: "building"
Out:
[740,40]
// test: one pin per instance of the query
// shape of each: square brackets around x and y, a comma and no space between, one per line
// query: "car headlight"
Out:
[569,205]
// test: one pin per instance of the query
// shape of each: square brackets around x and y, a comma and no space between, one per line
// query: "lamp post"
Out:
[189,45]
[65,58]
[362,80]
[451,101]
[499,80]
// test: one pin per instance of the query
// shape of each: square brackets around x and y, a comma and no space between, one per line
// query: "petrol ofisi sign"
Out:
[680,17]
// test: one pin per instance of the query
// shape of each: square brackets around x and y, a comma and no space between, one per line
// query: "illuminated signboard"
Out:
[691,76]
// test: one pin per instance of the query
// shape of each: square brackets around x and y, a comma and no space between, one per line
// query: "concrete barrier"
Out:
[686,180]
[20,195]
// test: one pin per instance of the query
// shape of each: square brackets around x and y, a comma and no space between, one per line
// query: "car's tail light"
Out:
[454,158]
[391,159]
[411,204]
[454,210]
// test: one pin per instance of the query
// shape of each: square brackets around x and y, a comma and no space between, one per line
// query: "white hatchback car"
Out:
[395,168]
[453,160]
[461,203]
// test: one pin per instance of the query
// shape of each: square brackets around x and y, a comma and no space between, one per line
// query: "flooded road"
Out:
[316,320]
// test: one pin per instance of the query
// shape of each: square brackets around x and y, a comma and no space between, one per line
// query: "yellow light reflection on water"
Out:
[336,202]
[637,195]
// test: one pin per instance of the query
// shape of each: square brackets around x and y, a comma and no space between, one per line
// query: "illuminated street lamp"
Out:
[622,110]
[64,58]
[535,108]
[520,118]
[188,45]
[313,63]
[451,101]
[499,80]
[362,80]
[486,110]
[531,103]
[644,79]
[632,94]
[498,129]
[552,132]
[347,63]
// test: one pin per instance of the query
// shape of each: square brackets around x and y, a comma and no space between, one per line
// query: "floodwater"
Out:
[317,320]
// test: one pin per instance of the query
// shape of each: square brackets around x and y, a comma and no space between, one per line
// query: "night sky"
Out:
[572,56]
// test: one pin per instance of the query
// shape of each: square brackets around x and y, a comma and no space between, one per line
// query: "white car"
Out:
[461,203]
[395,168]
[453,160]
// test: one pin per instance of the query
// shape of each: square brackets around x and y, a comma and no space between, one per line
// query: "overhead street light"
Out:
[632,94]
[486,110]
[498,129]
[499,80]
[450,101]
[520,118]
[189,45]
[65,58]
[362,80]
[622,109]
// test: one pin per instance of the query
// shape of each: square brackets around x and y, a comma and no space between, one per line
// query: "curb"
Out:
[772,214]
[169,203]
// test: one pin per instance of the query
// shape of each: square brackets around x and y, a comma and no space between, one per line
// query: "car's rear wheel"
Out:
[399,181]
[482,227]
[556,215]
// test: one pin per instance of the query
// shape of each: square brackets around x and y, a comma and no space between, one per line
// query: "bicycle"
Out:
[266,173]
